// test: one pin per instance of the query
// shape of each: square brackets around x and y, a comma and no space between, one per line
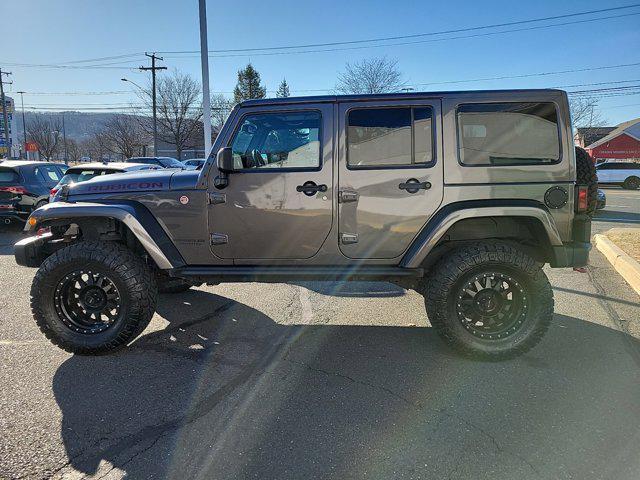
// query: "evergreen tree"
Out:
[283,89]
[248,85]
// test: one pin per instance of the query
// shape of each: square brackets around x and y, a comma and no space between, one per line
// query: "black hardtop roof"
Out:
[387,96]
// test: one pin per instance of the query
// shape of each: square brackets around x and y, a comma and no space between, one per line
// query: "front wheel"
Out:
[489,300]
[93,297]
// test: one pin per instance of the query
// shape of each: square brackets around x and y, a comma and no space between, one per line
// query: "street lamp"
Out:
[131,81]
[24,124]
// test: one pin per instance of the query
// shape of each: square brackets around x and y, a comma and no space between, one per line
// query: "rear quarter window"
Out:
[7,175]
[503,134]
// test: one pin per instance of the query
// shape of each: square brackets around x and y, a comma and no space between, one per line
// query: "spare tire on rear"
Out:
[586,175]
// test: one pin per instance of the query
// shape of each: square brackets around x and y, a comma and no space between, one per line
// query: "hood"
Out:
[141,181]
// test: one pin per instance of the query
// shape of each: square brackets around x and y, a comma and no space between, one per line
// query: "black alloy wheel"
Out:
[87,302]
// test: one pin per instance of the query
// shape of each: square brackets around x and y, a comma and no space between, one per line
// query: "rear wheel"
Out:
[93,297]
[631,183]
[489,300]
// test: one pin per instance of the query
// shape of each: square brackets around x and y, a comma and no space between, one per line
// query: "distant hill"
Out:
[78,125]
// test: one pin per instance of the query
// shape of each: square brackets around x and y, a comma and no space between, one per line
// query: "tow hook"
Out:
[580,269]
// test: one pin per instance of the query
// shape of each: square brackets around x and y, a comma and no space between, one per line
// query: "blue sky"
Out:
[58,32]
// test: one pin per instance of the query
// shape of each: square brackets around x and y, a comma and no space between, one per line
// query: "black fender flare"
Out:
[440,223]
[137,218]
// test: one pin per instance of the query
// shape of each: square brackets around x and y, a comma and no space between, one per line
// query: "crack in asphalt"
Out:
[353,380]
[627,337]
[131,458]
[269,349]
[498,447]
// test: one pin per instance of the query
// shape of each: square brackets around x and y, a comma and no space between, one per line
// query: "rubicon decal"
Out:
[119,187]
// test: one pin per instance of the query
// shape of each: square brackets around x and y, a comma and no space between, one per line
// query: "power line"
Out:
[325,50]
[71,67]
[272,50]
[112,92]
[417,35]
[539,74]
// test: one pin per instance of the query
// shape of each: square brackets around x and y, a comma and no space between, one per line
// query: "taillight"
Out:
[53,191]
[583,199]
[16,189]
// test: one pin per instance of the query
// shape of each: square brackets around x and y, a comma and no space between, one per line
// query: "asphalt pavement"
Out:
[319,380]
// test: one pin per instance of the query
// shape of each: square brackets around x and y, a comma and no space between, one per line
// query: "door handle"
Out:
[413,185]
[311,188]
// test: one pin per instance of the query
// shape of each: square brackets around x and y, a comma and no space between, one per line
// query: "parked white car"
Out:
[82,173]
[625,174]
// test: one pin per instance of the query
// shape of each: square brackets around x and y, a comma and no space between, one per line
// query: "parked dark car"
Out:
[82,173]
[163,162]
[25,186]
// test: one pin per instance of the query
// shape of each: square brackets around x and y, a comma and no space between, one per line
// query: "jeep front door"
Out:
[278,203]
[390,175]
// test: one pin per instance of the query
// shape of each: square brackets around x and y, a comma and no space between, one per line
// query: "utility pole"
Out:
[4,113]
[153,70]
[24,125]
[204,59]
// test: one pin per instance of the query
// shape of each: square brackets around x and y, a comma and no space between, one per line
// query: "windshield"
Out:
[171,163]
[76,176]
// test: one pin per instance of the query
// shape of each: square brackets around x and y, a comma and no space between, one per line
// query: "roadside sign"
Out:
[31,147]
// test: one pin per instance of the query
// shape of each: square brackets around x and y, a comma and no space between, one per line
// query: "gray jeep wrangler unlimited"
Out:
[462,196]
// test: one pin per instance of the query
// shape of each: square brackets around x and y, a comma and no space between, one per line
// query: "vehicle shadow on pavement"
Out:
[225,392]
[9,235]
[354,289]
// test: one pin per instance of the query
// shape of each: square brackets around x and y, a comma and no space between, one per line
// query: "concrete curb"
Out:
[626,266]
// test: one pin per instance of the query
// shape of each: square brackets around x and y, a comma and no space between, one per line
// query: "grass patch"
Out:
[628,239]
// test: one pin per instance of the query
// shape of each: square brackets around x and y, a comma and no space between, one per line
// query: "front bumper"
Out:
[28,252]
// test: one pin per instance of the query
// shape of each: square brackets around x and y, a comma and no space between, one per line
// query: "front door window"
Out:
[278,141]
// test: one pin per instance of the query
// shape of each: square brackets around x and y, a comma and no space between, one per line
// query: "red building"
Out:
[623,143]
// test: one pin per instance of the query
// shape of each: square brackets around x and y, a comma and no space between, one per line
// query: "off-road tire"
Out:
[466,262]
[167,284]
[41,203]
[133,279]
[586,175]
[631,183]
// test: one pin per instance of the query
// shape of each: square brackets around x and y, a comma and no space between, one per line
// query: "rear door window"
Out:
[508,134]
[48,174]
[389,137]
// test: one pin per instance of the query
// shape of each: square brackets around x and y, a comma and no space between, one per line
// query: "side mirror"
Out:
[224,160]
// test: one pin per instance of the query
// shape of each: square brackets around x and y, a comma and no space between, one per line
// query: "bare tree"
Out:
[93,148]
[73,150]
[179,109]
[46,133]
[585,112]
[122,135]
[221,107]
[372,75]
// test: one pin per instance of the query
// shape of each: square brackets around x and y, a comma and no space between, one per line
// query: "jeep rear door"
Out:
[390,174]
[278,203]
